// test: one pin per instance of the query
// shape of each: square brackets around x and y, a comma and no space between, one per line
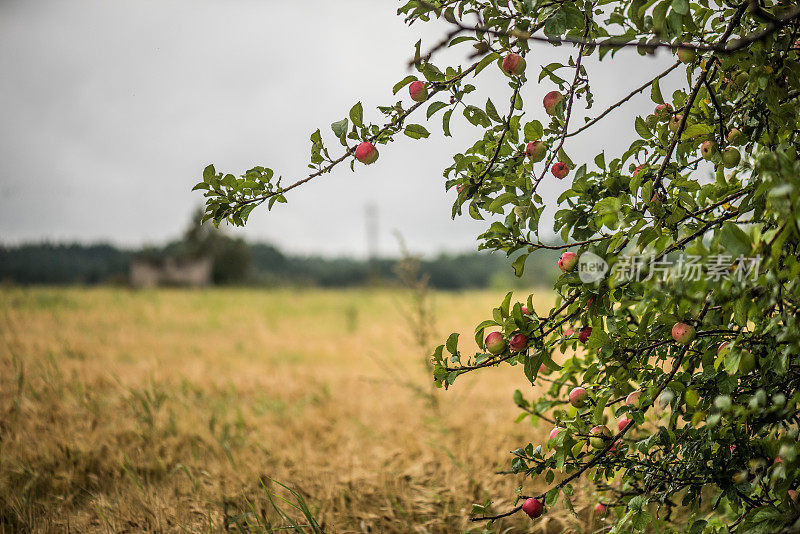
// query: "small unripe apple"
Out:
[495,343]
[598,436]
[623,423]
[533,508]
[551,101]
[583,335]
[663,111]
[740,80]
[674,123]
[735,137]
[708,149]
[555,432]
[518,342]
[418,91]
[536,150]
[633,399]
[747,363]
[683,333]
[560,169]
[578,396]
[731,157]
[366,153]
[567,262]
[686,55]
[514,64]
[601,509]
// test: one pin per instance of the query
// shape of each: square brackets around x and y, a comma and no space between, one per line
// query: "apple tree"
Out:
[670,363]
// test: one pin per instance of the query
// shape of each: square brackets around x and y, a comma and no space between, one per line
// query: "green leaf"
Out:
[519,265]
[416,131]
[655,93]
[533,131]
[642,129]
[357,114]
[486,61]
[434,107]
[681,6]
[209,173]
[446,122]
[452,344]
[340,128]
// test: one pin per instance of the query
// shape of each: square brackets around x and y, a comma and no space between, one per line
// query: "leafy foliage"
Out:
[715,432]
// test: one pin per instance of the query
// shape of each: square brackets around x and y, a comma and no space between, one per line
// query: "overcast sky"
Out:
[110,109]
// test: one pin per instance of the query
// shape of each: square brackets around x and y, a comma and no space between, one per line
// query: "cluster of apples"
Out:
[366,152]
[496,344]
[709,150]
[731,156]
[513,65]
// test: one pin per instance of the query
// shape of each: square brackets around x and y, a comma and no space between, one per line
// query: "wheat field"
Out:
[181,411]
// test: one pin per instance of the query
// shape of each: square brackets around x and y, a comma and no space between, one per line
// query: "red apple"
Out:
[568,261]
[584,334]
[663,111]
[589,304]
[638,168]
[683,333]
[601,509]
[559,170]
[536,150]
[495,343]
[518,342]
[633,399]
[459,188]
[598,436]
[708,149]
[366,153]
[551,101]
[578,396]
[533,508]
[623,423]
[524,310]
[514,64]
[569,332]
[554,433]
[614,448]
[735,137]
[418,91]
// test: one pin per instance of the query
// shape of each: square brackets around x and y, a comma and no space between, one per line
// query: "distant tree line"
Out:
[239,263]
[236,262]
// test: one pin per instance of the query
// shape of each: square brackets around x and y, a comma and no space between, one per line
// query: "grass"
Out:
[179,411]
